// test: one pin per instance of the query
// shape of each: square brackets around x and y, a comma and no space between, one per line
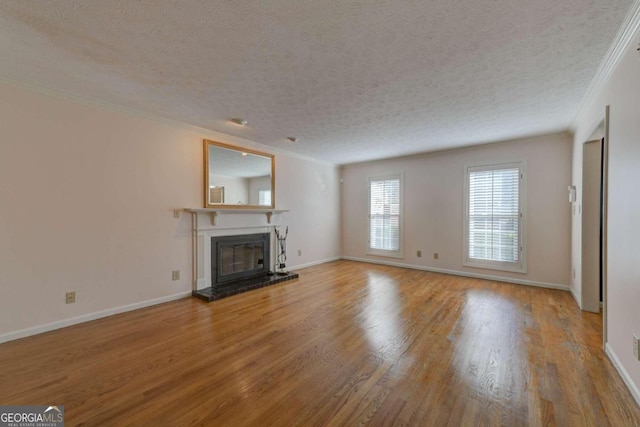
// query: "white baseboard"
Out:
[463,273]
[88,317]
[576,297]
[623,373]
[311,264]
[117,310]
[23,333]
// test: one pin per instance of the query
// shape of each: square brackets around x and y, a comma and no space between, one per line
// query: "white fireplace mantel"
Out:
[202,233]
[214,212]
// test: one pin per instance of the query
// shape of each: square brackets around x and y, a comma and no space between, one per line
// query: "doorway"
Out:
[594,221]
[592,225]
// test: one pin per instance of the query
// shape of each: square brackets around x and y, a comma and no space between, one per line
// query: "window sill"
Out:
[383,253]
[488,265]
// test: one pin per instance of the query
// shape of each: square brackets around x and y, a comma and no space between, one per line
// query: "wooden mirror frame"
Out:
[208,143]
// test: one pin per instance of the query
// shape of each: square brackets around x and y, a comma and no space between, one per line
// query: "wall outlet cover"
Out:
[175,275]
[70,297]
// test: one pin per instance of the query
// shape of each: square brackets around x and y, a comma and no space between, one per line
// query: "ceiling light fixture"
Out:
[292,139]
[238,121]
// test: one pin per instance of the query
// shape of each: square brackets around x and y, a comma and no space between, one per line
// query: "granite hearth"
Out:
[240,263]
[225,290]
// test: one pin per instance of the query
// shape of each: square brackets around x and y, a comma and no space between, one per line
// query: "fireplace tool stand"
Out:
[281,259]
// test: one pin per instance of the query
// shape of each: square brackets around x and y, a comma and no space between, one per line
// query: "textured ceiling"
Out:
[354,80]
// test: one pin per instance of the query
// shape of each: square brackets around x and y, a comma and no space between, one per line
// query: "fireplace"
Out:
[239,257]
[240,263]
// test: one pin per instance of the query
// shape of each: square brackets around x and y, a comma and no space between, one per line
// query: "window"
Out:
[264,197]
[385,221]
[494,217]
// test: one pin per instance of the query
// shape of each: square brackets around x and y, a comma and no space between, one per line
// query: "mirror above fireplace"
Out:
[238,178]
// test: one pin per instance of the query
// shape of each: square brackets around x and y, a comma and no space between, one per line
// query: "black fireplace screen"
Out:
[239,257]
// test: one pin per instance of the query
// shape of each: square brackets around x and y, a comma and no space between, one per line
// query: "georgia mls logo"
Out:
[53,408]
[31,416]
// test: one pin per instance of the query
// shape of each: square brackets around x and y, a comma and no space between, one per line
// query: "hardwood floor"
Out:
[347,344]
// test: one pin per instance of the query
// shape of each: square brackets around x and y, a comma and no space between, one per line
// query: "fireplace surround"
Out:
[240,263]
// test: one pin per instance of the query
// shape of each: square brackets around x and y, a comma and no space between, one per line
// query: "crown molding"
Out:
[622,40]
[202,132]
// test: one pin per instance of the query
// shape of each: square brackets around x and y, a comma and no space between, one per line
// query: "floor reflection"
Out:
[382,315]
[487,345]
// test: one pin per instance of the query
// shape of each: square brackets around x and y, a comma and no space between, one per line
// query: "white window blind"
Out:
[494,217]
[264,197]
[384,215]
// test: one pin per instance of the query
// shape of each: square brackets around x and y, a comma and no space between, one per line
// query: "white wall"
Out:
[434,206]
[312,194]
[622,93]
[256,185]
[87,198]
[236,190]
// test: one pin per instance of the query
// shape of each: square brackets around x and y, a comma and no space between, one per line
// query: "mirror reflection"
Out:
[237,177]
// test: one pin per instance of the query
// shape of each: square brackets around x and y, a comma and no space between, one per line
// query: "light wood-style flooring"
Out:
[347,344]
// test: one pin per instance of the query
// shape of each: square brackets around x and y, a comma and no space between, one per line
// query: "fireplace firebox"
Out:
[240,263]
[239,257]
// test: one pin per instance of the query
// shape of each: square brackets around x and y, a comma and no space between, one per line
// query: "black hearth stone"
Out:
[221,291]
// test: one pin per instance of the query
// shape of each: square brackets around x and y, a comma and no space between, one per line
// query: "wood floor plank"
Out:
[346,344]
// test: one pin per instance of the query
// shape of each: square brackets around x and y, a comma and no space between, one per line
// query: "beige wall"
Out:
[236,190]
[256,185]
[87,198]
[621,92]
[434,206]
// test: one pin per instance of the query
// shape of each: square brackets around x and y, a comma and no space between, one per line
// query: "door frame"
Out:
[604,120]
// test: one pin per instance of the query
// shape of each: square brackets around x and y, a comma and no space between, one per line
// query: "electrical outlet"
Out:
[635,347]
[71,297]
[419,254]
[175,275]
[177,213]
[299,252]
[435,255]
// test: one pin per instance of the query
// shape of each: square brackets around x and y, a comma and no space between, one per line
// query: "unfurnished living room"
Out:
[320,212]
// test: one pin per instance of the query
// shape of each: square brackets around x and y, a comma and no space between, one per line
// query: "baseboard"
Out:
[311,264]
[463,273]
[576,297]
[633,389]
[23,333]
[88,317]
[130,307]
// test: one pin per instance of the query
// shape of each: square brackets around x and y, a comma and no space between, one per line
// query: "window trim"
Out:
[386,252]
[521,265]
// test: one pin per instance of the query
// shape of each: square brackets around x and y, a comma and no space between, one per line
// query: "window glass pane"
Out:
[264,197]
[384,210]
[494,210]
